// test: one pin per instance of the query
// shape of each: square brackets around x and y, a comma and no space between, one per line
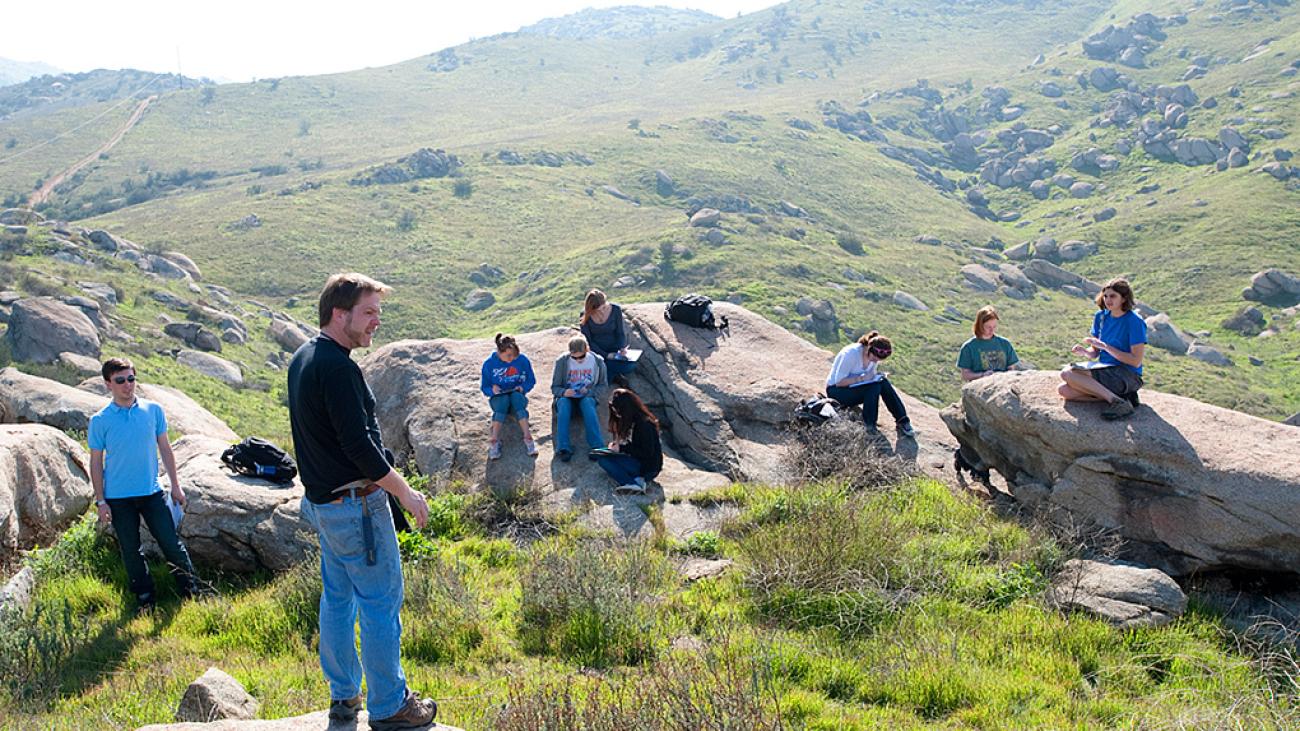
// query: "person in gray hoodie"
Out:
[577,381]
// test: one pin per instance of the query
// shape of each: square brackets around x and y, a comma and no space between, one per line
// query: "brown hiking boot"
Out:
[345,710]
[415,713]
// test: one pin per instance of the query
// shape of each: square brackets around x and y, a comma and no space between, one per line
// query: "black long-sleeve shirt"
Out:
[645,447]
[332,417]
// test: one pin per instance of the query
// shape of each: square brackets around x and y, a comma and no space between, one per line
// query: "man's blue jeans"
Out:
[349,587]
[127,513]
[590,422]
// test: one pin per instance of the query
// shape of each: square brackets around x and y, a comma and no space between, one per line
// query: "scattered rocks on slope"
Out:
[706,217]
[1248,321]
[44,484]
[215,696]
[184,415]
[194,335]
[1274,287]
[1046,274]
[1124,596]
[1188,485]
[1127,44]
[909,301]
[479,299]
[288,332]
[211,365]
[42,327]
[423,163]
[1209,354]
[1163,333]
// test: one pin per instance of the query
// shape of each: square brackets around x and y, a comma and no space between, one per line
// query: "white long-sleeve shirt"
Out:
[849,363]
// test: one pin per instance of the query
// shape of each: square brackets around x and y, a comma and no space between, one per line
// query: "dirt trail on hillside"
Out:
[47,189]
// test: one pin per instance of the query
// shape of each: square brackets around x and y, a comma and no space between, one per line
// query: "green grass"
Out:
[972,645]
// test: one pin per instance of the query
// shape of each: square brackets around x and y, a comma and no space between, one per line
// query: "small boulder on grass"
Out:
[1124,596]
[216,696]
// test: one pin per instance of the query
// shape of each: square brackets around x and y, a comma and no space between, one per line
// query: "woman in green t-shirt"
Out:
[986,353]
[983,355]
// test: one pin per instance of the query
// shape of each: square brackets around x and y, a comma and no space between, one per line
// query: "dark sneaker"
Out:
[565,455]
[415,713]
[1120,408]
[905,430]
[872,431]
[1133,399]
[345,710]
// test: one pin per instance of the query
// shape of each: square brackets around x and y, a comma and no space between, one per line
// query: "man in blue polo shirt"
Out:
[126,439]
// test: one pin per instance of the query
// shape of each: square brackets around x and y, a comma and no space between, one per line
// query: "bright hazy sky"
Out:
[238,40]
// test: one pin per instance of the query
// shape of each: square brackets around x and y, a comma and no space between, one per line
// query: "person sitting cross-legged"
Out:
[577,381]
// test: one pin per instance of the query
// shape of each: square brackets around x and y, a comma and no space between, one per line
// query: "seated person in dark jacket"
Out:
[602,325]
[638,456]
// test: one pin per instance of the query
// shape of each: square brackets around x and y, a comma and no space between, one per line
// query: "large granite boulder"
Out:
[42,327]
[1190,486]
[1164,334]
[725,399]
[233,522]
[27,399]
[44,484]
[184,415]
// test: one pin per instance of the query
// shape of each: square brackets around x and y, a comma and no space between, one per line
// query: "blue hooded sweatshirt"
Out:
[507,376]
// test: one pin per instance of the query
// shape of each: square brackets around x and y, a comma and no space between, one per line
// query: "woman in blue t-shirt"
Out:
[1114,350]
[507,378]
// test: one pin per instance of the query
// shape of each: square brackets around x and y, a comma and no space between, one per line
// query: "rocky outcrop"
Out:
[215,696]
[16,594]
[1190,486]
[184,415]
[44,484]
[1274,287]
[27,399]
[423,163]
[725,400]
[42,327]
[237,523]
[1124,596]
[1164,334]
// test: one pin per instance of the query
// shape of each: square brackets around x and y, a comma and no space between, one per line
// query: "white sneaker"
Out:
[531,447]
[494,450]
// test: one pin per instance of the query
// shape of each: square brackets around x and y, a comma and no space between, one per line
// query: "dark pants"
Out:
[622,467]
[127,513]
[615,367]
[869,397]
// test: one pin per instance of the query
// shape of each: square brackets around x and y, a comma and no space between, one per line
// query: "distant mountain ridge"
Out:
[90,87]
[14,72]
[625,21]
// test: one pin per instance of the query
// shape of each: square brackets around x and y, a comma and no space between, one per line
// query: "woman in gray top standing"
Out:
[602,326]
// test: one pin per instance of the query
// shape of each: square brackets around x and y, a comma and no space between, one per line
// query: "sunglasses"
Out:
[119,380]
[881,352]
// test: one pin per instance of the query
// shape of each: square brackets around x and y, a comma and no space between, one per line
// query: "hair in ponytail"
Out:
[506,343]
[877,343]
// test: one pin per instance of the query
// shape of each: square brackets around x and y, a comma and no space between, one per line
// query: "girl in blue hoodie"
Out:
[507,378]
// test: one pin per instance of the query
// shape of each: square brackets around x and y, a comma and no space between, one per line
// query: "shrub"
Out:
[850,242]
[704,543]
[841,450]
[35,648]
[462,188]
[406,220]
[592,604]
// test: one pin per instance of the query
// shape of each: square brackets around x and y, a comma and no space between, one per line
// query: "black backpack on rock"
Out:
[256,457]
[694,310]
[817,409]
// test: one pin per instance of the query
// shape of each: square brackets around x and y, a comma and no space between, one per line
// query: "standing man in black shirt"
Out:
[341,460]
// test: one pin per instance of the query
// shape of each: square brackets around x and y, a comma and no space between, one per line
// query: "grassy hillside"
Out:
[708,102]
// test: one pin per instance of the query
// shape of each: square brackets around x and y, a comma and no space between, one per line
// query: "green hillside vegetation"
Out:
[898,607]
[708,103]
